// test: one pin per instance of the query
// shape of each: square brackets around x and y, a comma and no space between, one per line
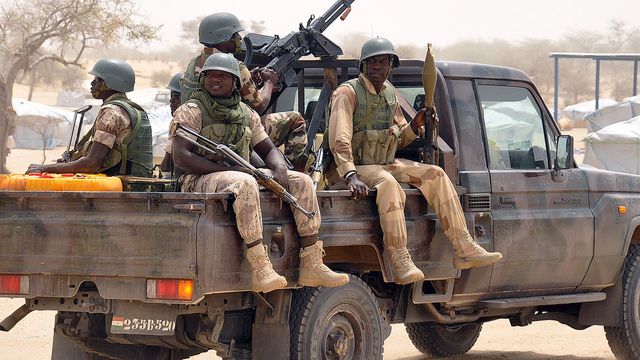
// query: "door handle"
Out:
[507,200]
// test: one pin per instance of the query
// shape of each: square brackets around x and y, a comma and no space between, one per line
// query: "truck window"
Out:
[514,128]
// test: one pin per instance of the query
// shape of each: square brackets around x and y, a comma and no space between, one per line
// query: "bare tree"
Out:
[45,128]
[34,31]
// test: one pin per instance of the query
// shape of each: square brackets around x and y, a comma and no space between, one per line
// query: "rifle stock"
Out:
[263,179]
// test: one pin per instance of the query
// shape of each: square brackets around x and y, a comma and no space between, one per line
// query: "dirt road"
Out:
[31,339]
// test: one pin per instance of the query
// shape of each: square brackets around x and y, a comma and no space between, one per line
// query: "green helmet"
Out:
[223,62]
[117,74]
[378,46]
[174,83]
[218,28]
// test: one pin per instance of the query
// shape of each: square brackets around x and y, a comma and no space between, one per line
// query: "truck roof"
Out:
[406,73]
[480,71]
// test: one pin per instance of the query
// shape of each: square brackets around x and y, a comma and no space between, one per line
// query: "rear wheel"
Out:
[624,341]
[437,340]
[341,323]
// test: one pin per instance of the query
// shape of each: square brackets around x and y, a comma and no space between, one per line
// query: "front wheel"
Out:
[624,341]
[341,323]
[437,340]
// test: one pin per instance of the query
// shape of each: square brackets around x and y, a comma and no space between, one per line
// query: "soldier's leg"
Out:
[390,199]
[248,219]
[440,193]
[313,272]
[288,129]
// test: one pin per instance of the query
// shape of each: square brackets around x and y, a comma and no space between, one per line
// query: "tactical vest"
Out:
[135,155]
[190,82]
[236,136]
[375,137]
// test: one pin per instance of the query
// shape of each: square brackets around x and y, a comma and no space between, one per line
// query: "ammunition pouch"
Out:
[375,146]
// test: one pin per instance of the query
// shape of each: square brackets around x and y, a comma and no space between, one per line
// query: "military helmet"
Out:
[378,46]
[174,83]
[218,28]
[223,62]
[117,74]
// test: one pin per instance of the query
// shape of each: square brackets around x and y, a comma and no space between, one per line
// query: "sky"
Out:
[415,22]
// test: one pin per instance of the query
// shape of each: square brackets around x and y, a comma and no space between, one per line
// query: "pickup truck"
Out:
[161,274]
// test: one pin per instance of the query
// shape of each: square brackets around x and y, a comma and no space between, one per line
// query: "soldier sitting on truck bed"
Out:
[216,112]
[119,143]
[174,102]
[366,126]
[219,32]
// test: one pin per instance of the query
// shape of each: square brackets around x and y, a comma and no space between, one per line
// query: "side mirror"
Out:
[564,152]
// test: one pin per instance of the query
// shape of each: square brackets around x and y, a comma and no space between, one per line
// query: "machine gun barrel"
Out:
[263,179]
[336,10]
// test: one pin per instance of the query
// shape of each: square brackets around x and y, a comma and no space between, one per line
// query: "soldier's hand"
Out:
[280,176]
[358,189]
[420,119]
[35,168]
[267,74]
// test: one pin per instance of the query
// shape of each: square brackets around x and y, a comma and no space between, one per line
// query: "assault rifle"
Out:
[263,179]
[68,154]
[282,53]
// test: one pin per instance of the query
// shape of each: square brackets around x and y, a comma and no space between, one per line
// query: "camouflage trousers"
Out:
[247,199]
[435,186]
[288,129]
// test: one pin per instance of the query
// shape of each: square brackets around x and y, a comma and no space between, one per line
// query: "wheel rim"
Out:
[343,335]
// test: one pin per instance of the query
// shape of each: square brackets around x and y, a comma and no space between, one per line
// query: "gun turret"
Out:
[282,53]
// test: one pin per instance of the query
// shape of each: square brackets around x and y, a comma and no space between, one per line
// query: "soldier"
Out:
[174,102]
[366,126]
[217,113]
[119,143]
[219,32]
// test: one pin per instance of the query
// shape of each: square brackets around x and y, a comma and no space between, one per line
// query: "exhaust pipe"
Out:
[11,320]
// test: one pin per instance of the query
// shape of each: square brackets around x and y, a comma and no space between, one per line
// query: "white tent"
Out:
[39,125]
[579,111]
[615,147]
[625,110]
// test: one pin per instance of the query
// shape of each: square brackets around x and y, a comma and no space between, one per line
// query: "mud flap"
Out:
[271,336]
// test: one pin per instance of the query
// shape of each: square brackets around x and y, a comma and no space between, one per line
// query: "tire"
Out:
[624,341]
[336,323]
[437,340]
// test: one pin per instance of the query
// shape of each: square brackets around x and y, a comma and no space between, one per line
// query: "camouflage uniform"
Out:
[244,187]
[284,128]
[431,180]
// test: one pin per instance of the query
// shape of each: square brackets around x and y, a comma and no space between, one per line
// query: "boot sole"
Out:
[276,286]
[318,283]
[467,264]
[410,280]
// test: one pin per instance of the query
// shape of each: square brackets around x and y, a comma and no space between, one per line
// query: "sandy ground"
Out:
[31,339]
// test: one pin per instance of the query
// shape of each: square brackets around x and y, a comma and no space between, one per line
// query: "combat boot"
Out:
[313,272]
[263,277]
[469,254]
[404,270]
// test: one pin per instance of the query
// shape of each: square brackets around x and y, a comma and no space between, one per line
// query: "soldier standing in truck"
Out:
[120,141]
[216,112]
[174,102]
[219,32]
[366,127]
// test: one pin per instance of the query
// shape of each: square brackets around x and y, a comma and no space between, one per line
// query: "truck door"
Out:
[542,223]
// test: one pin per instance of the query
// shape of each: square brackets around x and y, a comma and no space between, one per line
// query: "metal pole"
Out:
[635,78]
[555,88]
[597,84]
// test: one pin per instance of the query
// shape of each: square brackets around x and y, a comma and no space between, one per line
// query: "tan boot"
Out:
[404,270]
[469,254]
[263,277]
[315,273]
